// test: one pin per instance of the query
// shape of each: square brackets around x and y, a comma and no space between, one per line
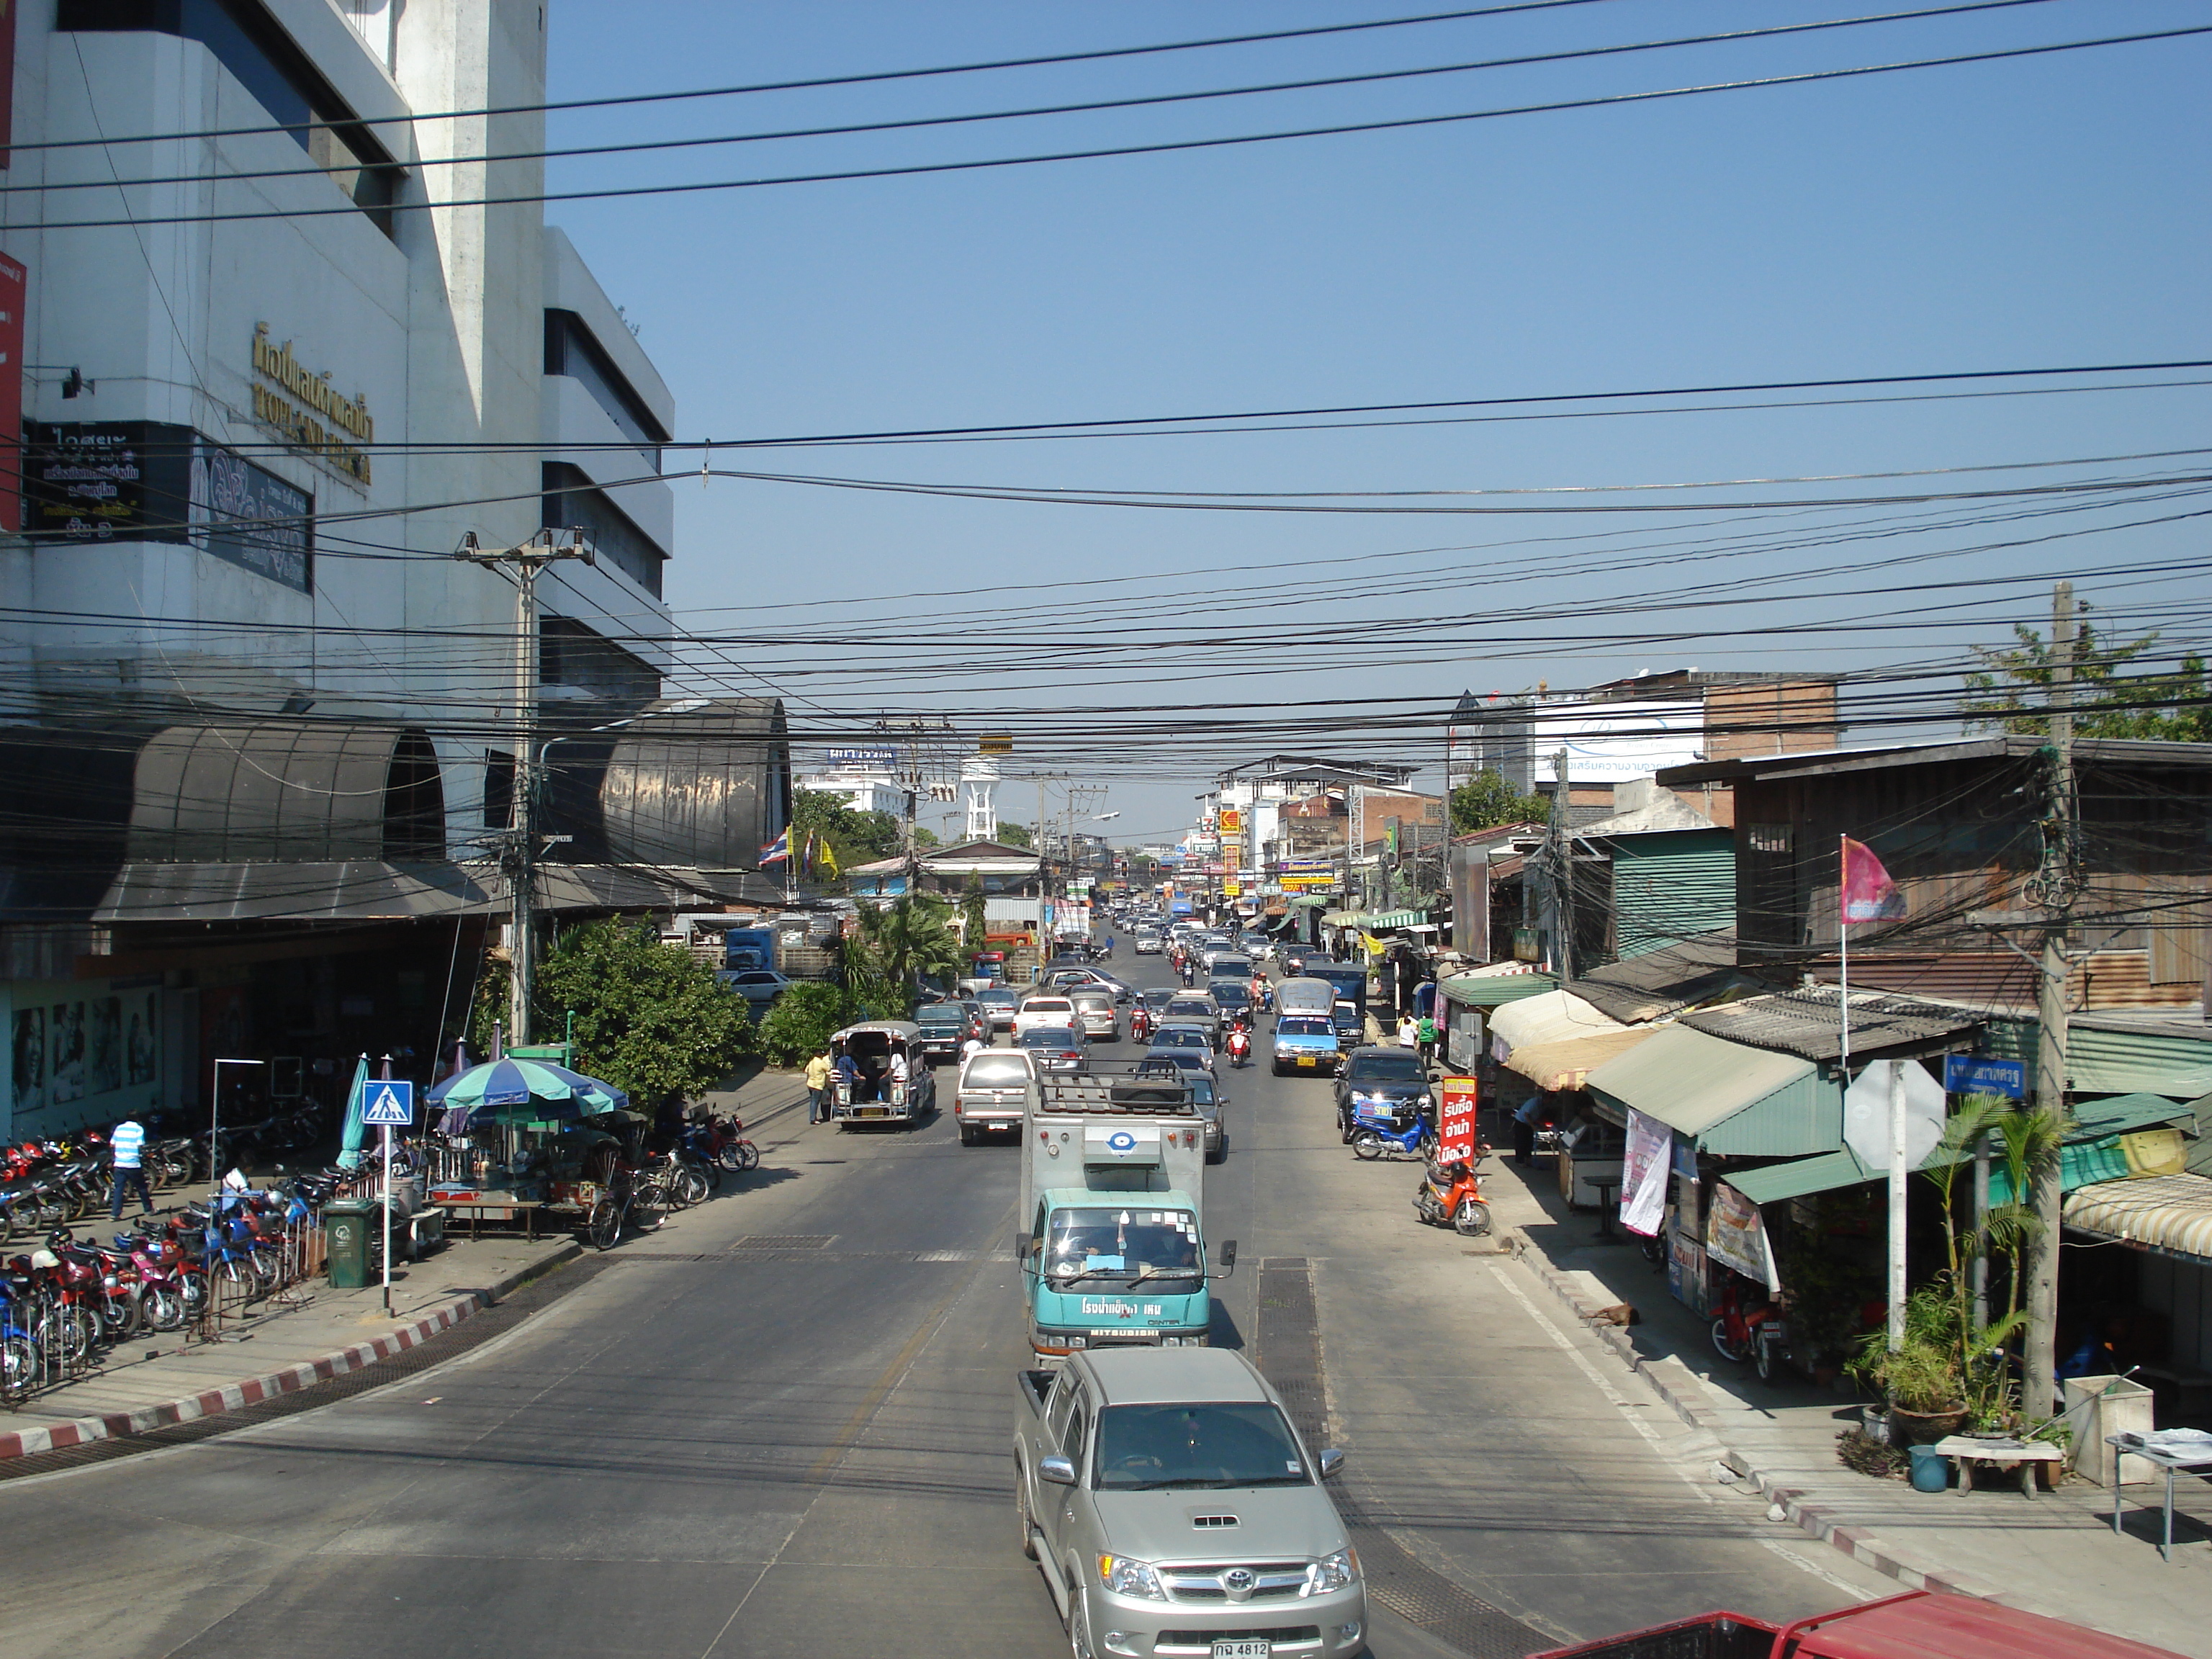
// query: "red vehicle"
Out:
[1918,1625]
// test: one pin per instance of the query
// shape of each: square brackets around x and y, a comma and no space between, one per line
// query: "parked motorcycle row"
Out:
[63,1305]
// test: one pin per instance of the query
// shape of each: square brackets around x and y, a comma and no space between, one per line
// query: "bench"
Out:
[1967,1451]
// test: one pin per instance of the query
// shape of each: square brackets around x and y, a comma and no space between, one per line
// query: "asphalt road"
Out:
[803,1449]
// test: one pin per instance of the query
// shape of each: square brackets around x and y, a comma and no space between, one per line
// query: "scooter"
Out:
[1378,1133]
[1450,1196]
[1240,1045]
[1759,1333]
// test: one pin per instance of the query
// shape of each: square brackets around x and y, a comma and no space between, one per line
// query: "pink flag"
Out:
[1869,893]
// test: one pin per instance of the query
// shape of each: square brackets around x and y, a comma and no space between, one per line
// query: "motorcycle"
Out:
[1240,1045]
[1757,1332]
[1450,1196]
[1384,1132]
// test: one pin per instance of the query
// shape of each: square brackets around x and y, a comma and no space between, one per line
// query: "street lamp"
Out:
[215,1127]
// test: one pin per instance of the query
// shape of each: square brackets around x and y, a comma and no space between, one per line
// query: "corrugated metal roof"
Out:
[2117,1115]
[2170,1213]
[1555,1016]
[1824,1172]
[1502,983]
[1660,981]
[1731,1100]
[2118,1053]
[1807,1022]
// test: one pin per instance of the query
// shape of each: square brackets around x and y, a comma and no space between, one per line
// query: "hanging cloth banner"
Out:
[1644,1170]
[1735,1236]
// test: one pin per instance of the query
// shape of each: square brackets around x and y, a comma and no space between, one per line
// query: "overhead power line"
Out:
[1144,101]
[872,77]
[1166,147]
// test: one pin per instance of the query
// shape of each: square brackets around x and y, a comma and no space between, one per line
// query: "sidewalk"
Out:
[156,1380]
[2056,1555]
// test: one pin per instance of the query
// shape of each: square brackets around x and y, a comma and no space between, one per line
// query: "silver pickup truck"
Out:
[1174,1509]
[993,1089]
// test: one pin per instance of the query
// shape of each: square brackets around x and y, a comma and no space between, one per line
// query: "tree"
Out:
[926,837]
[974,925]
[856,837]
[908,939]
[2108,702]
[1486,801]
[1010,834]
[651,1018]
[799,1025]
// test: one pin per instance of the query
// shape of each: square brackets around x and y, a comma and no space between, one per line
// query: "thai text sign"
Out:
[1459,1096]
[1971,1074]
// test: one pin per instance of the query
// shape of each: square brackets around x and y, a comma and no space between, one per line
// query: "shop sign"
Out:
[1971,1074]
[307,411]
[1232,889]
[151,481]
[1686,1271]
[1232,821]
[1306,884]
[1458,1098]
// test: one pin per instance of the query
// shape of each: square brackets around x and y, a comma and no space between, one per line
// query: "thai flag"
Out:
[777,851]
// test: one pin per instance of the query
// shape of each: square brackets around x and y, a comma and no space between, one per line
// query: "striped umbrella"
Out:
[510,1091]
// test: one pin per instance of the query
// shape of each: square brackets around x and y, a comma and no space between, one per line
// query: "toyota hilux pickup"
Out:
[1174,1509]
[992,1094]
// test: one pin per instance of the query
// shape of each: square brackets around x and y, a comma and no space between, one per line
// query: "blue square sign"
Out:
[387,1104]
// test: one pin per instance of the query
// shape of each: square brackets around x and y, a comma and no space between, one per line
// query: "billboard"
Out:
[1232,821]
[876,756]
[1612,742]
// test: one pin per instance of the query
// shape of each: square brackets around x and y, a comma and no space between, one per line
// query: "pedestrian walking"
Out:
[1425,1035]
[819,1071]
[127,1144]
[1408,1032]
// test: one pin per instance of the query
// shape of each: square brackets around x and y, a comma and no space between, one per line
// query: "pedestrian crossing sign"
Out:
[388,1104]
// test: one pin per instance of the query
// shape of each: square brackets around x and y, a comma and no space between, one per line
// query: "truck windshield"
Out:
[1312,1026]
[1122,1246]
[1145,1448]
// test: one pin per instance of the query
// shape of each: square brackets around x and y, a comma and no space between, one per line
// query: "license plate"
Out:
[1243,1649]
[871,1111]
[1308,1062]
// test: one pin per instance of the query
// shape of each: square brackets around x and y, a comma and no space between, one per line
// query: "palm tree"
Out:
[909,938]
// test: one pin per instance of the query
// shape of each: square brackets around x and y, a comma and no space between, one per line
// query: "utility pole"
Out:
[518,852]
[2053,889]
[1560,853]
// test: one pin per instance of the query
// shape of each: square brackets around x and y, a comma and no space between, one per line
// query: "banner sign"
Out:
[878,756]
[1735,1237]
[1644,1173]
[1304,883]
[1232,820]
[1970,1074]
[1459,1096]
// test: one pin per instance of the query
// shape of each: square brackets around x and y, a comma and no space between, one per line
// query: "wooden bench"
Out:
[1968,1452]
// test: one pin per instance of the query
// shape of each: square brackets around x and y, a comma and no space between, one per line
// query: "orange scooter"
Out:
[1450,1196]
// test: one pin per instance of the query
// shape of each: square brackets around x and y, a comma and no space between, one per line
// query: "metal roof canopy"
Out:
[1662,982]
[1500,983]
[1808,1024]
[2169,1213]
[1554,1017]
[1730,1100]
[1566,1063]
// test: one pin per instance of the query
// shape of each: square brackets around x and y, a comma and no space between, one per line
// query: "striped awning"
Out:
[2173,1213]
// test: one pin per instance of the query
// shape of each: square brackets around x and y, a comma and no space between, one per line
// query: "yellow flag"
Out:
[828,859]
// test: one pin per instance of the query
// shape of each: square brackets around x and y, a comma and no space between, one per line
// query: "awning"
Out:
[1729,1100]
[1339,918]
[1566,1064]
[2120,1114]
[1821,1173]
[1307,902]
[2171,1214]
[1554,1017]
[1500,983]
[1392,918]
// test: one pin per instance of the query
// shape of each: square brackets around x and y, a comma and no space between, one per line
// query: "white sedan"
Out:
[1148,944]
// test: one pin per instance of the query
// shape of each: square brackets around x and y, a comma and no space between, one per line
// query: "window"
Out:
[247,41]
[572,500]
[1145,1448]
[570,653]
[499,789]
[571,349]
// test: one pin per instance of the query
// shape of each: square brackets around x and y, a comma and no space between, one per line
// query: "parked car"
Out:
[1054,1047]
[1380,1076]
[759,986]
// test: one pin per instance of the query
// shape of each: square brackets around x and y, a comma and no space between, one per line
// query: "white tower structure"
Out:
[979,792]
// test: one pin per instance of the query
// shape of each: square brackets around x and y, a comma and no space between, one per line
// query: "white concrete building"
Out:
[379,362]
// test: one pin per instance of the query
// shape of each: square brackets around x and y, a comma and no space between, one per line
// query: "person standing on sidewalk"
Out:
[1424,1034]
[818,1071]
[128,1145]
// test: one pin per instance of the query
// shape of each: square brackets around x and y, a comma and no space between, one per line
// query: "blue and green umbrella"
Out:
[517,1091]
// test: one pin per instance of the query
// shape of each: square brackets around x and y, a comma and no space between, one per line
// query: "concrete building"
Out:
[276,362]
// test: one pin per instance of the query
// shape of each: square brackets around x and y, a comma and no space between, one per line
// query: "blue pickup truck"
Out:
[1304,1042]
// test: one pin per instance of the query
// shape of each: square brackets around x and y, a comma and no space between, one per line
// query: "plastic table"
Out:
[2129,1446]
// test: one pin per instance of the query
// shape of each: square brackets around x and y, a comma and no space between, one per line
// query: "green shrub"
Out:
[799,1026]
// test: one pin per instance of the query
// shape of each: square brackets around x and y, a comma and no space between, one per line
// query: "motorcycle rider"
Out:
[1240,1044]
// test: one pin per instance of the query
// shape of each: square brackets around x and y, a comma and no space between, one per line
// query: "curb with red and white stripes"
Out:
[253,1390]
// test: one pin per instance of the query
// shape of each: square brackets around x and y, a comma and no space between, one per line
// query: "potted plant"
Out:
[1923,1378]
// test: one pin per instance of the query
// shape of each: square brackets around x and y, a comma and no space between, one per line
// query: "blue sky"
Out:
[2040,211]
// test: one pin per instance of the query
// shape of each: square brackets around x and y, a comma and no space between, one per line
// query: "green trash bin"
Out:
[347,1229]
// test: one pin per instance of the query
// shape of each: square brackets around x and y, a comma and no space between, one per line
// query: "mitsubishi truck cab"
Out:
[1173,1508]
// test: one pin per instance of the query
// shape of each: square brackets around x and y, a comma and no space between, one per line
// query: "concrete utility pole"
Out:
[518,852]
[1560,846]
[2053,889]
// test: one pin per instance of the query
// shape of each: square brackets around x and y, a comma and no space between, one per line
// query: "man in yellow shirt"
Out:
[818,1071]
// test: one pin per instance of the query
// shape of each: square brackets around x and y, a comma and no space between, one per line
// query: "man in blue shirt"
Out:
[128,1146]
